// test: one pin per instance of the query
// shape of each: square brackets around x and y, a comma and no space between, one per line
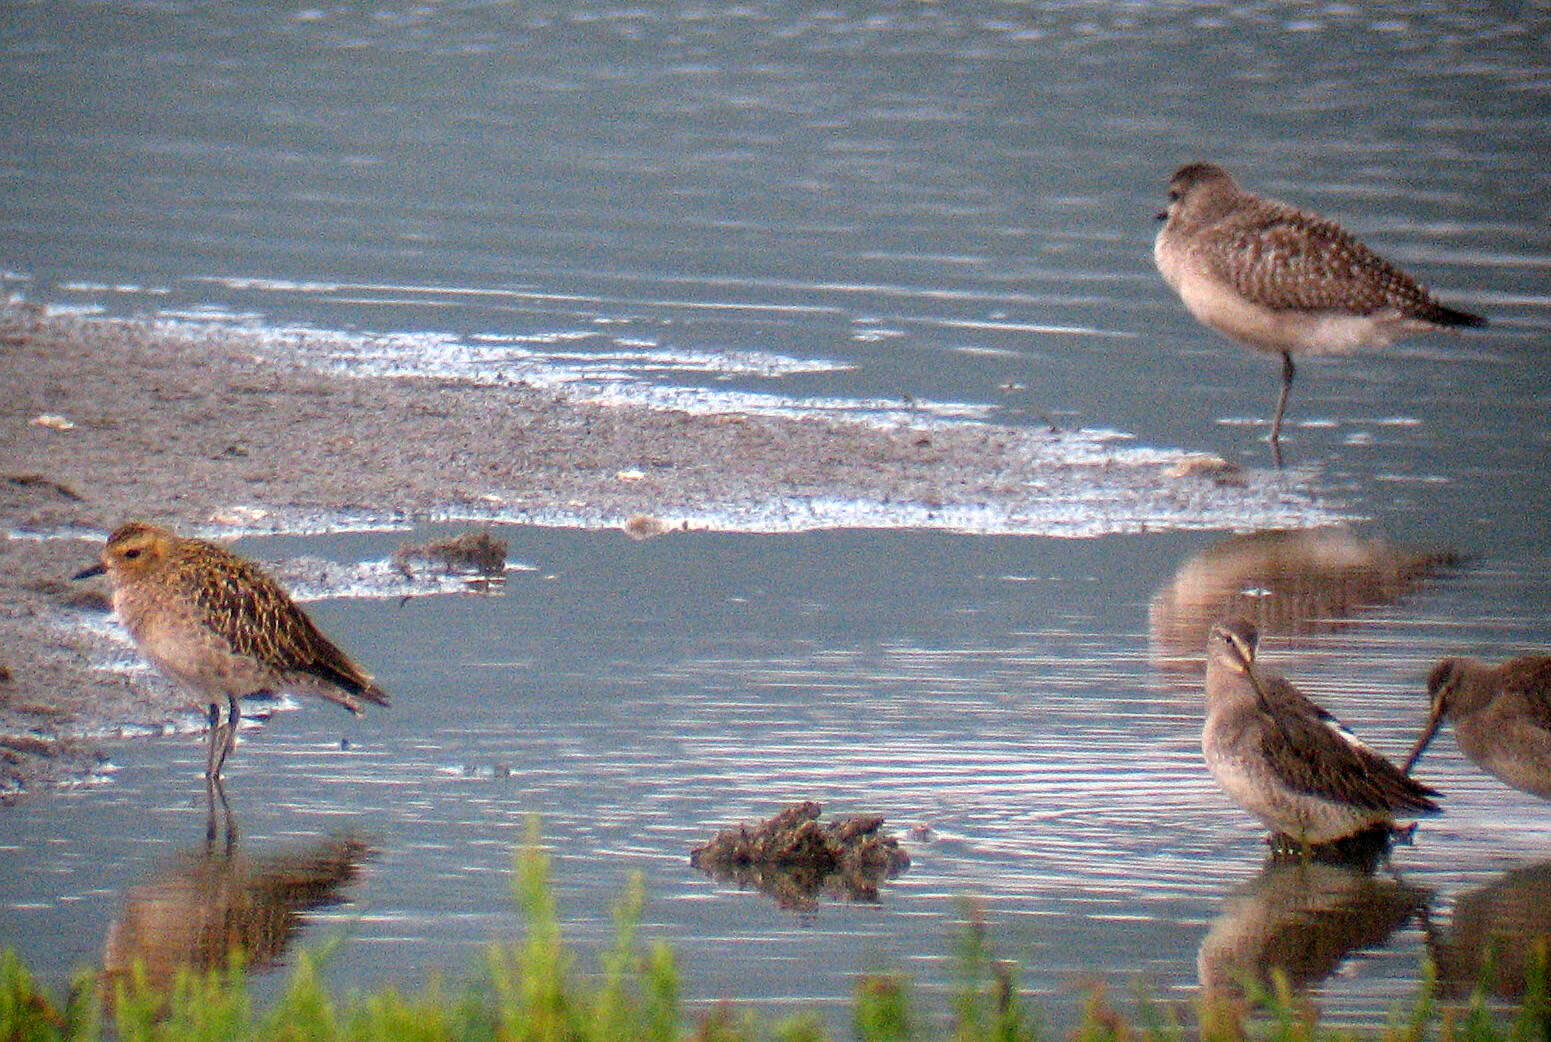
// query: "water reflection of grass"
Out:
[531,991]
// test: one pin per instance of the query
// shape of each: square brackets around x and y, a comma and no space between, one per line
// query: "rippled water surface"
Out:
[942,207]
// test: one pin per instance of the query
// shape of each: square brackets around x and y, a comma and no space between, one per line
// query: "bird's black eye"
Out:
[130,555]
[1173,195]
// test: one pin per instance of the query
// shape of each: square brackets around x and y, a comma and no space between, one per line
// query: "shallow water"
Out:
[638,696]
[946,208]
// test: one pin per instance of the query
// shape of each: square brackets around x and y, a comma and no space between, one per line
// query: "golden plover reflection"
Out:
[1283,280]
[1286,760]
[222,627]
[1501,716]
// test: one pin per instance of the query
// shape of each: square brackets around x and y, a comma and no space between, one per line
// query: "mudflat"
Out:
[105,420]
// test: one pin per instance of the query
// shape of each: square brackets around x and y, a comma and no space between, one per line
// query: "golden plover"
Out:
[1283,280]
[222,627]
[1501,716]
[1286,760]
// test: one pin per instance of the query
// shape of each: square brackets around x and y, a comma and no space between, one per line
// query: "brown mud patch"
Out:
[795,859]
[475,552]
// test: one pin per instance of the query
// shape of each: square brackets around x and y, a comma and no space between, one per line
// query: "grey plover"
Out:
[221,627]
[1501,717]
[1286,760]
[1284,280]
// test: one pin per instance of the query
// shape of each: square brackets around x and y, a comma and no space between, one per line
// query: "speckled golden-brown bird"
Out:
[219,625]
[1284,280]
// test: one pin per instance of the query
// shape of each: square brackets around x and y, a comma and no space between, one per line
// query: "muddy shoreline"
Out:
[201,428]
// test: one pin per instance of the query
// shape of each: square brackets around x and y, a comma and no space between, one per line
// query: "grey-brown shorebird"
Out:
[1286,760]
[1284,280]
[219,625]
[1501,717]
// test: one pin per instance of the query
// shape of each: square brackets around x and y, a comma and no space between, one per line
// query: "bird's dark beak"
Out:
[1163,215]
[1433,720]
[1238,657]
[87,573]
[1248,665]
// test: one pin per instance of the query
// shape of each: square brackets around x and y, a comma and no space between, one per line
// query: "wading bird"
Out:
[1501,717]
[1283,280]
[221,627]
[1286,760]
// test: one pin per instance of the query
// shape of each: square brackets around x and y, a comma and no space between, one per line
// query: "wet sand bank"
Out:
[203,428]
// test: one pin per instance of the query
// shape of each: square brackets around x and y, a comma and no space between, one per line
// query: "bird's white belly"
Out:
[1292,330]
[1248,788]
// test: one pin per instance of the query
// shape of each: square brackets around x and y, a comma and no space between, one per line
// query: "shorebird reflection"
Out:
[1286,582]
[215,899]
[1304,918]
[1494,933]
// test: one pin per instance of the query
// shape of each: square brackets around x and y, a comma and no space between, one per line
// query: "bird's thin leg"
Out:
[214,736]
[1281,406]
[232,717]
[210,829]
[215,793]
[234,714]
[227,818]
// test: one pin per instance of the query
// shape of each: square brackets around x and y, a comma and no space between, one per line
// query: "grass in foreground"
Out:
[531,992]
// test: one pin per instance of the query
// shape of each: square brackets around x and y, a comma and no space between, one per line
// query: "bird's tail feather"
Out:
[347,688]
[1447,316]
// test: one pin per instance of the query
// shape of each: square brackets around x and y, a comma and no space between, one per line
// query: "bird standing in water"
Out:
[1501,717]
[1286,760]
[220,626]
[1284,280]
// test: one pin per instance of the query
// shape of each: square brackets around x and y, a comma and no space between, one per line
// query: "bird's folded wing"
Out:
[1312,757]
[249,610]
[1284,259]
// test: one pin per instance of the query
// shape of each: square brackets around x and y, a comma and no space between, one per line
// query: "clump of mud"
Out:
[645,526]
[795,859]
[475,551]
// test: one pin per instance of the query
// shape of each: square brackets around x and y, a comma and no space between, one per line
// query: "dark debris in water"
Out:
[795,859]
[475,551]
